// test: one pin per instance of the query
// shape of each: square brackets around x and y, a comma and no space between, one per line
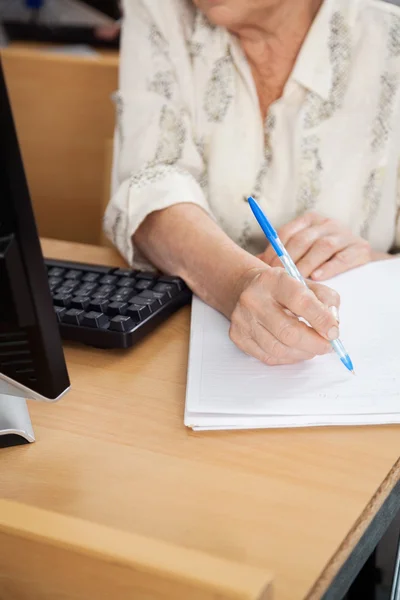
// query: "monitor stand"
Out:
[15,422]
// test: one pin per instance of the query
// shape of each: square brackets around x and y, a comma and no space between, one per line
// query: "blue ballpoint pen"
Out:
[291,268]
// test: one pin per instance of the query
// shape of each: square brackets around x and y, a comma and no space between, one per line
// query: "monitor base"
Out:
[15,422]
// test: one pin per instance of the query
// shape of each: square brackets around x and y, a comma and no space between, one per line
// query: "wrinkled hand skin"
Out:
[264,322]
[322,247]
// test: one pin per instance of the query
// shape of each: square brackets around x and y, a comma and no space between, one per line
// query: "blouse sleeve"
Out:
[156,160]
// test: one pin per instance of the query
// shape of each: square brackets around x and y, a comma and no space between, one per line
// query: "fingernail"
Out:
[317,274]
[333,333]
[335,313]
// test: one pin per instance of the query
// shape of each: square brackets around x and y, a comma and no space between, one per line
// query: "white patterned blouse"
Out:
[190,127]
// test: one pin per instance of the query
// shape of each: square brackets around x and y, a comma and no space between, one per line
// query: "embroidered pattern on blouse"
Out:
[372,199]
[195,49]
[310,175]
[381,131]
[394,38]
[382,125]
[340,55]
[200,37]
[202,23]
[203,179]
[220,90]
[154,174]
[172,137]
[158,43]
[267,158]
[115,226]
[162,84]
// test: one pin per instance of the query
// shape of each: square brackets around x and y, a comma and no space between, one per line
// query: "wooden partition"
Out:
[65,120]
[45,556]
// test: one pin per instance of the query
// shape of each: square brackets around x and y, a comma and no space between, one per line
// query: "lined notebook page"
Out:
[227,389]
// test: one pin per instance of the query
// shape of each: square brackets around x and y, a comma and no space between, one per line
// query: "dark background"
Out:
[109,7]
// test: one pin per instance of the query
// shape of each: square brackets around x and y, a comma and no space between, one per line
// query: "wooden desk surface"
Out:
[115,452]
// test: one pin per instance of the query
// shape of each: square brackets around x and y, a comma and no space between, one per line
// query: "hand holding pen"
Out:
[292,270]
[262,303]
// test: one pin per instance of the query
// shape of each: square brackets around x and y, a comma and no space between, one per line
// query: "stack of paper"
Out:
[229,390]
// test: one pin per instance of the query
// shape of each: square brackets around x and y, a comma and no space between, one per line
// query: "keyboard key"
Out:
[99,305]
[73,316]
[152,303]
[73,274]
[90,277]
[96,320]
[126,282]
[122,295]
[81,302]
[167,288]
[151,295]
[86,289]
[62,300]
[123,273]
[162,297]
[54,282]
[104,292]
[108,280]
[69,286]
[106,289]
[121,323]
[60,312]
[146,275]
[170,279]
[56,272]
[138,312]
[117,308]
[69,265]
[143,284]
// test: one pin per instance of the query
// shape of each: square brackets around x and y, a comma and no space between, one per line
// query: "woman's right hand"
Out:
[264,323]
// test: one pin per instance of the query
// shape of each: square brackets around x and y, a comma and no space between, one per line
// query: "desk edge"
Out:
[220,578]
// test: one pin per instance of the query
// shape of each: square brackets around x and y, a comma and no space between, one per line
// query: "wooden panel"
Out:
[65,118]
[45,556]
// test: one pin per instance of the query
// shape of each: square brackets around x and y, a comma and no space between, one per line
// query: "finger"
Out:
[250,347]
[349,258]
[303,241]
[304,303]
[298,227]
[323,250]
[276,348]
[305,221]
[245,327]
[327,296]
[283,335]
[285,233]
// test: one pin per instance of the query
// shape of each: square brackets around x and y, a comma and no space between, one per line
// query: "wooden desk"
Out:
[300,504]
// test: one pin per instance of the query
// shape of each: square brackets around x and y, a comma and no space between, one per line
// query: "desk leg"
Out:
[15,422]
[395,595]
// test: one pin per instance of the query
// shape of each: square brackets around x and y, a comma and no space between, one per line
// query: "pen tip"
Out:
[353,372]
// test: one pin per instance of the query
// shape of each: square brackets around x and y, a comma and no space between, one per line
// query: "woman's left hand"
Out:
[321,247]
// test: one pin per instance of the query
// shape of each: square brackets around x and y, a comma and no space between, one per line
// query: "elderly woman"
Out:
[295,102]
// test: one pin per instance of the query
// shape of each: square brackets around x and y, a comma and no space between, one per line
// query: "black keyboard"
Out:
[111,308]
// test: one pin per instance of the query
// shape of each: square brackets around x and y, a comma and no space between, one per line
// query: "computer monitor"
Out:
[32,362]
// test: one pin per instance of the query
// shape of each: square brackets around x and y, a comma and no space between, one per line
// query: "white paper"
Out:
[227,389]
